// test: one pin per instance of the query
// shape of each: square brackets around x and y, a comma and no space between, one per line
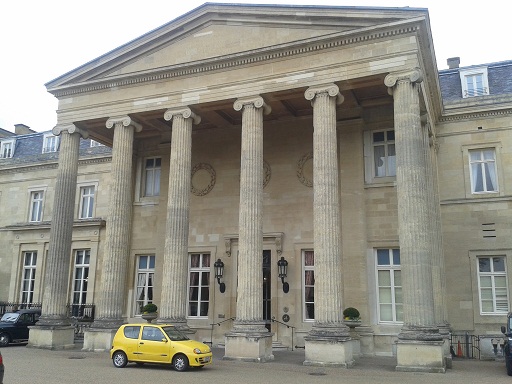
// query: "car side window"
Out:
[151,333]
[132,332]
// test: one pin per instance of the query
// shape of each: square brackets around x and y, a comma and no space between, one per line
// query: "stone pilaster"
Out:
[249,339]
[109,312]
[53,329]
[174,298]
[419,346]
[328,341]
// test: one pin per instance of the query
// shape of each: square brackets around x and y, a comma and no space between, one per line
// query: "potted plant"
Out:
[351,317]
[149,312]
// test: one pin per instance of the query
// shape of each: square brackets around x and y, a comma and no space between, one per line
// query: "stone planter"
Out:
[352,323]
[149,317]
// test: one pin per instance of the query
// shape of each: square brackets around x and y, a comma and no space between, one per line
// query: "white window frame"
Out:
[151,184]
[203,282]
[395,289]
[493,276]
[28,277]
[472,73]
[369,155]
[80,280]
[481,163]
[7,149]
[87,201]
[36,206]
[50,143]
[306,268]
[144,282]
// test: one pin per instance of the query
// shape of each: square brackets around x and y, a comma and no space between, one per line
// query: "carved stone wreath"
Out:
[208,168]
[300,169]
[267,172]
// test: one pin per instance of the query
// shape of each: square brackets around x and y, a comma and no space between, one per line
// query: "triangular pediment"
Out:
[220,31]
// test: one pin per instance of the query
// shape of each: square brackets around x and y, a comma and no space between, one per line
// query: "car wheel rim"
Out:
[119,359]
[4,339]
[180,364]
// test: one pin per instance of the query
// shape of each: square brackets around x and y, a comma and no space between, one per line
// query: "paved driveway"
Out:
[28,365]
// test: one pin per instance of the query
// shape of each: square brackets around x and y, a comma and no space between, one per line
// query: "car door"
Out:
[153,345]
[20,330]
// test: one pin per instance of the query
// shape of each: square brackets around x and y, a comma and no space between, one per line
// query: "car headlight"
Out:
[197,351]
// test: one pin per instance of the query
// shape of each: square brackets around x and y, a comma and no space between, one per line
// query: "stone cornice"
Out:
[47,224]
[38,167]
[240,59]
[474,115]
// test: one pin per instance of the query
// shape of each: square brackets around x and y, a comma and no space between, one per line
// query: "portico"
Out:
[249,119]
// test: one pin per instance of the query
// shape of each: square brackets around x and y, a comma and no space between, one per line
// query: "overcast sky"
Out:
[41,40]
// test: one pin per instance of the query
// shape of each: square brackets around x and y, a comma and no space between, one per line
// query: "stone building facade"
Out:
[244,136]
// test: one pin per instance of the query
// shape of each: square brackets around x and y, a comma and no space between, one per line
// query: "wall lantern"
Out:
[282,267]
[219,272]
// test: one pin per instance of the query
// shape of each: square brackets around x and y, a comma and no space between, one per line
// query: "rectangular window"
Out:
[144,284]
[80,280]
[474,82]
[384,157]
[36,206]
[389,286]
[6,149]
[86,202]
[482,165]
[152,176]
[492,285]
[50,143]
[29,277]
[308,291]
[199,284]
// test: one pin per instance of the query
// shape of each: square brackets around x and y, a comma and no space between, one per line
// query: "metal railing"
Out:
[273,319]
[219,323]
[10,306]
[465,345]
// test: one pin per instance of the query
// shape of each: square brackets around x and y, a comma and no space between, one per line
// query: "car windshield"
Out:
[174,334]
[10,317]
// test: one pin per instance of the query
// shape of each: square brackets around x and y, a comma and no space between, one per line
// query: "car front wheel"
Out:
[4,339]
[119,359]
[180,363]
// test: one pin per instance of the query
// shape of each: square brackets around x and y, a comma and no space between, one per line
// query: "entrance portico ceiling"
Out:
[187,48]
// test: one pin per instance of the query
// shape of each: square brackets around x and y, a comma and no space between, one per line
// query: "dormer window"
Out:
[474,82]
[6,149]
[50,143]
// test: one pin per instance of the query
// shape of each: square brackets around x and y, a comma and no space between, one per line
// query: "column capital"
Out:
[125,121]
[257,101]
[70,128]
[413,75]
[185,112]
[331,89]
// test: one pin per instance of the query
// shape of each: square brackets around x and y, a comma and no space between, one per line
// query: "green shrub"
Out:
[149,308]
[351,313]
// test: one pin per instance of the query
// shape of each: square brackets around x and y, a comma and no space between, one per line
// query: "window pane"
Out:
[194,293]
[204,309]
[385,295]
[309,277]
[382,257]
[310,311]
[378,137]
[309,294]
[484,264]
[487,306]
[151,262]
[194,260]
[398,278]
[379,158]
[309,259]
[206,260]
[143,262]
[498,264]
[205,278]
[386,312]
[500,282]
[486,294]
[396,256]
[384,278]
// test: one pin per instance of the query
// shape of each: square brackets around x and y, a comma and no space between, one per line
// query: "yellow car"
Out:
[157,343]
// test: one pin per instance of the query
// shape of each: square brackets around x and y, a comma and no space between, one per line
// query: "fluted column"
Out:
[174,299]
[249,310]
[414,204]
[54,310]
[118,232]
[326,213]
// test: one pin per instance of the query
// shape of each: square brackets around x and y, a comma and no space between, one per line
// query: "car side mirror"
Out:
[503,330]
[164,340]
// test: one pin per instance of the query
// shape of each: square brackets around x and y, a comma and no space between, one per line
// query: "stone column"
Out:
[249,339]
[174,297]
[327,342]
[419,347]
[112,292]
[53,329]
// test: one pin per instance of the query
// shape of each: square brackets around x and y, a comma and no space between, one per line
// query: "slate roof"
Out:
[499,75]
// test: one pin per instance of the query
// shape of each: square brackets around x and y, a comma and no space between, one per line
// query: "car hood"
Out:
[194,344]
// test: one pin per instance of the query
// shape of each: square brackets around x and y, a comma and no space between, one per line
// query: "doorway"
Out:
[267,289]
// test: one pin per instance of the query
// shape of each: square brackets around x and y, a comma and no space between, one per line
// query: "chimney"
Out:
[22,129]
[453,62]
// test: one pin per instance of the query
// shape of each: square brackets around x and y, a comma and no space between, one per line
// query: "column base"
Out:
[181,325]
[51,337]
[329,345]
[420,356]
[98,339]
[249,345]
